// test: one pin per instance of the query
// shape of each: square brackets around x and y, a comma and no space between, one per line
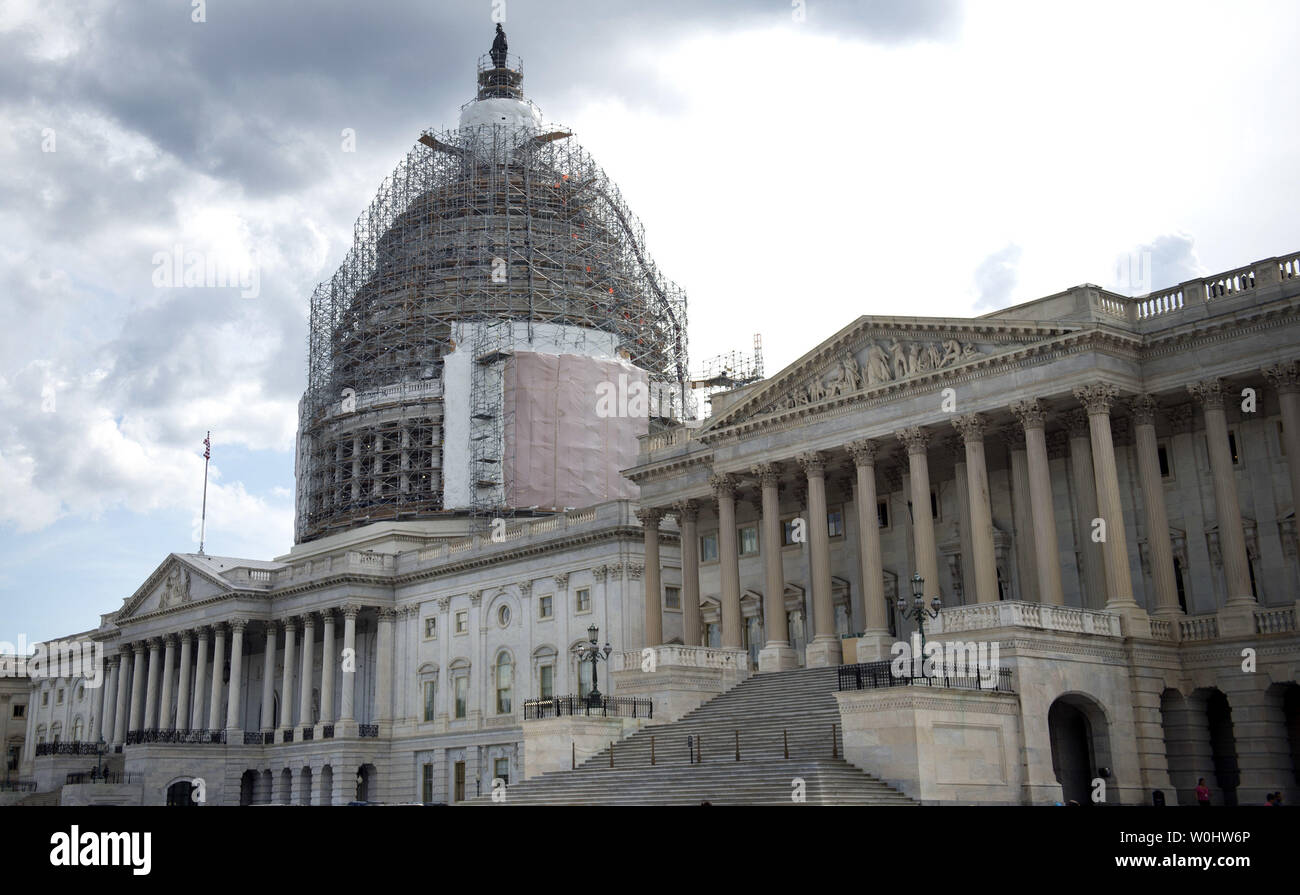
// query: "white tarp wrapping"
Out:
[564,445]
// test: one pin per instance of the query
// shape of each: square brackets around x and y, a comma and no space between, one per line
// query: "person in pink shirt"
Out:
[1202,793]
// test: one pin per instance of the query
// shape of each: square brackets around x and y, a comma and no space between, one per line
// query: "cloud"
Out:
[996,278]
[1164,261]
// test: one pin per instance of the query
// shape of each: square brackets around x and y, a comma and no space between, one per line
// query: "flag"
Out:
[207,447]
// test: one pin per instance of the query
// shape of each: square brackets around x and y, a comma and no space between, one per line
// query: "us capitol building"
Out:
[1100,487]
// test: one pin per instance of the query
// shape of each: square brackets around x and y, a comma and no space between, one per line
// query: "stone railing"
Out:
[681,656]
[1017,614]
[513,532]
[1198,292]
[370,562]
[672,438]
[1275,621]
[1198,627]
[1162,629]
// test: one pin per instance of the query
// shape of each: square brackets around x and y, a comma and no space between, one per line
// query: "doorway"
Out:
[460,782]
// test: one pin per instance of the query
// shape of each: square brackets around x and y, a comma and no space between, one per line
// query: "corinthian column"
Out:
[169,668]
[151,695]
[825,647]
[308,660]
[384,666]
[137,687]
[1085,495]
[218,660]
[328,662]
[183,688]
[917,440]
[119,698]
[1097,400]
[235,696]
[1232,537]
[971,427]
[1285,379]
[654,616]
[200,679]
[776,654]
[1159,547]
[348,696]
[286,676]
[268,679]
[873,645]
[1047,557]
[688,514]
[724,491]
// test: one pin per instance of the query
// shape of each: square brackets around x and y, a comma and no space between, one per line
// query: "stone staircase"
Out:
[763,714]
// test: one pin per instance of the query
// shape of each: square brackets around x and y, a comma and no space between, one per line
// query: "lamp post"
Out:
[99,757]
[593,652]
[918,612]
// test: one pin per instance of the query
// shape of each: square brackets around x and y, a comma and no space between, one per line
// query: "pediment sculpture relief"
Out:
[177,588]
[881,362]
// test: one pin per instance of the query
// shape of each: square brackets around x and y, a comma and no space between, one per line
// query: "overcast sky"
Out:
[941,157]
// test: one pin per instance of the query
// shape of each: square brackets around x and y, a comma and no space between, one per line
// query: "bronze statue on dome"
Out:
[498,51]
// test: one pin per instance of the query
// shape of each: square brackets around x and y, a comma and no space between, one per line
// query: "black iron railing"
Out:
[108,777]
[188,737]
[71,747]
[287,737]
[367,730]
[327,732]
[253,738]
[605,707]
[307,734]
[268,737]
[17,786]
[879,675]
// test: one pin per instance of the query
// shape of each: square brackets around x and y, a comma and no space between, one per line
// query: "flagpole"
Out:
[203,519]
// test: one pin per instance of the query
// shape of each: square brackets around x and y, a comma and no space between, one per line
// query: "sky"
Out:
[795,164]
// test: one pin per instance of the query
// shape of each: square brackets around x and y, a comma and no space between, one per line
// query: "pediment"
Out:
[881,353]
[174,584]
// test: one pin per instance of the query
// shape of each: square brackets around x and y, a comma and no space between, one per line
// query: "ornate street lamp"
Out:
[99,760]
[593,652]
[918,612]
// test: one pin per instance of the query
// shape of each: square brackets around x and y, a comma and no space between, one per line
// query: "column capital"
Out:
[1076,423]
[526,588]
[1096,399]
[444,604]
[914,438]
[1144,408]
[309,620]
[634,570]
[1013,437]
[1207,392]
[327,616]
[1180,418]
[649,516]
[1283,378]
[723,485]
[561,581]
[768,474]
[686,511]
[1057,445]
[139,647]
[170,639]
[290,624]
[1030,412]
[475,597]
[387,615]
[863,452]
[971,426]
[203,633]
[351,610]
[237,625]
[599,573]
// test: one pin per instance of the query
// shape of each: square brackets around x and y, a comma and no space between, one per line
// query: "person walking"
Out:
[1202,793]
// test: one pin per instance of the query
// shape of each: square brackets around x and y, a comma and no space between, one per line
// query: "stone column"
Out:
[103,726]
[305,676]
[824,649]
[1159,547]
[137,687]
[1232,536]
[1024,542]
[1285,379]
[218,669]
[1047,560]
[971,427]
[873,645]
[151,694]
[724,491]
[1097,400]
[237,626]
[917,440]
[327,663]
[1085,495]
[183,688]
[119,697]
[654,616]
[350,662]
[169,669]
[384,667]
[268,679]
[776,654]
[200,678]
[688,514]
[286,677]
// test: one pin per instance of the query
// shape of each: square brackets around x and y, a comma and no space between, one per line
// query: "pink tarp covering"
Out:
[559,451]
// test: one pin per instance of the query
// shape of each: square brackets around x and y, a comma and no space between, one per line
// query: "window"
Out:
[749,540]
[1162,455]
[462,696]
[426,787]
[582,600]
[584,679]
[503,616]
[431,628]
[882,512]
[1178,582]
[501,769]
[1232,447]
[544,606]
[20,710]
[430,690]
[708,548]
[546,681]
[505,683]
[45,698]
[934,505]
[787,532]
[58,698]
[462,621]
[672,597]
[81,692]
[835,523]
[713,634]
[77,729]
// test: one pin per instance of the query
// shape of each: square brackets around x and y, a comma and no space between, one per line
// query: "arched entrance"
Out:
[1223,745]
[181,793]
[304,787]
[327,785]
[248,788]
[1080,746]
[365,781]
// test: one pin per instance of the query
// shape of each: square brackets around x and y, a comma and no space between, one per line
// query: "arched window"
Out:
[505,683]
[77,730]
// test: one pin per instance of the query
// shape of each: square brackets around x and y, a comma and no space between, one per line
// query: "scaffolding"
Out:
[484,224]
[730,370]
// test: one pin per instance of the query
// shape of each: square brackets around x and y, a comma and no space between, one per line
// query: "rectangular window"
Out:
[1232,447]
[462,696]
[835,523]
[501,769]
[584,678]
[708,548]
[462,621]
[713,634]
[546,677]
[787,532]
[672,597]
[934,505]
[426,786]
[545,605]
[430,689]
[882,512]
[1162,454]
[431,628]
[749,540]
[45,699]
[58,699]
[20,710]
[583,599]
